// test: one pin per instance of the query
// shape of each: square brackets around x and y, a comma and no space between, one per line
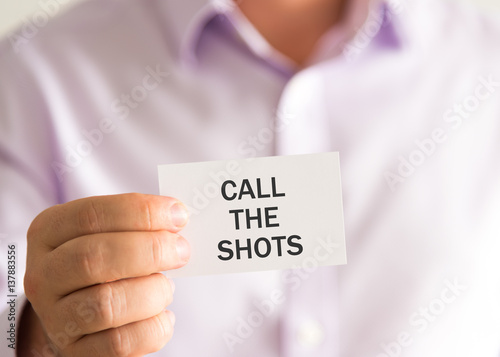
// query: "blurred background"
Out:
[14,13]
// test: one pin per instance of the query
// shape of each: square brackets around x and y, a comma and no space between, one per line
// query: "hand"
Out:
[93,279]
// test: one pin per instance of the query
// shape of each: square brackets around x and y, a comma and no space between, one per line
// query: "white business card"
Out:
[259,214]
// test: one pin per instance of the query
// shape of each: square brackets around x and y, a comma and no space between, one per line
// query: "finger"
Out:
[99,258]
[110,305]
[135,339]
[118,213]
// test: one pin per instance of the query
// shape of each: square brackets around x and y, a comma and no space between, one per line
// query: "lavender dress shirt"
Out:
[407,92]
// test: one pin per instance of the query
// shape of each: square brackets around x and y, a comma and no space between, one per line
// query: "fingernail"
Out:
[183,249]
[171,316]
[179,215]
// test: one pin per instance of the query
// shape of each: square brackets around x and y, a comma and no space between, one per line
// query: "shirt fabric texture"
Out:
[408,93]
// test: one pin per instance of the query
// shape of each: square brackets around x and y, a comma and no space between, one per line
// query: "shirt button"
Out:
[310,334]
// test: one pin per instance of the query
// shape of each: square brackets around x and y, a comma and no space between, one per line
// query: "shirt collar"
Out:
[200,15]
[377,24]
[381,20]
[191,21]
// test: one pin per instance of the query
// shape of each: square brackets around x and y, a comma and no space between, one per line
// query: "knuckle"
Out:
[73,315]
[110,304]
[89,349]
[157,247]
[148,213]
[134,196]
[67,312]
[90,217]
[89,260]
[137,200]
[144,209]
[120,344]
[48,217]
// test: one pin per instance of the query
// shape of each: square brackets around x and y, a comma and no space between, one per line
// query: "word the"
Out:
[257,217]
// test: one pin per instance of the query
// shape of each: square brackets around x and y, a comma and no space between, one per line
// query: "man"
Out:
[407,93]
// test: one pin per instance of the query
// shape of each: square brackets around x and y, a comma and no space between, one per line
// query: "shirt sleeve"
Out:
[28,184]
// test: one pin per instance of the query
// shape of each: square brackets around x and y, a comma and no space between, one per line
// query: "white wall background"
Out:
[13,12]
